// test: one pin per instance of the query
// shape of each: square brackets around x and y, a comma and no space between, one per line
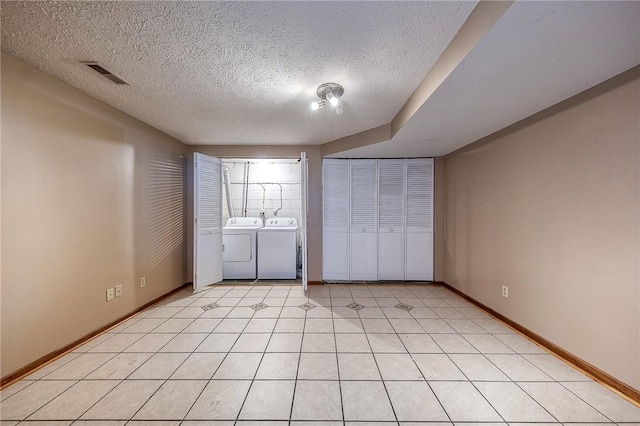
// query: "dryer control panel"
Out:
[282,222]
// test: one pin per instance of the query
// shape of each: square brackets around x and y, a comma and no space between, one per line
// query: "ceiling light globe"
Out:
[332,99]
[317,104]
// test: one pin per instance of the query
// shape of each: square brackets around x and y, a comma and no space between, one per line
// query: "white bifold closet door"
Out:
[335,219]
[363,221]
[378,219]
[391,217]
[419,220]
[207,226]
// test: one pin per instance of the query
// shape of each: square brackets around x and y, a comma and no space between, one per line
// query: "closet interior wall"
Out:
[269,186]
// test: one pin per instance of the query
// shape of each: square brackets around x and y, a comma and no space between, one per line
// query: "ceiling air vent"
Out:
[105,72]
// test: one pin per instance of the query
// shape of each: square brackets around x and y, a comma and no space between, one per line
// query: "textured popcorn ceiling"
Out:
[239,72]
[536,55]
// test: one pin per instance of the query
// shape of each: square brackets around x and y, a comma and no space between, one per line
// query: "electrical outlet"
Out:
[111,294]
[142,282]
[505,291]
[119,290]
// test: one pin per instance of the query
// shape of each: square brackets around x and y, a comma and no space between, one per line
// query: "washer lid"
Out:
[244,222]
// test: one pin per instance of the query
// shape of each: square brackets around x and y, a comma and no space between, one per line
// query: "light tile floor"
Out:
[269,355]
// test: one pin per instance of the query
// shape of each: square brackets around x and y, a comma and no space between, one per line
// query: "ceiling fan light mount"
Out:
[325,88]
[329,93]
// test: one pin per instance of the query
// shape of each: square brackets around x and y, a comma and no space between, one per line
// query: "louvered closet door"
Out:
[419,225]
[335,222]
[207,256]
[364,221]
[391,216]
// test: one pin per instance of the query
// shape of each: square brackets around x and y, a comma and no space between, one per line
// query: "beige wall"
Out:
[314,224]
[550,207]
[77,183]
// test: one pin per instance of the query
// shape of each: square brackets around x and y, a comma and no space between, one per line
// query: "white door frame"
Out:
[304,207]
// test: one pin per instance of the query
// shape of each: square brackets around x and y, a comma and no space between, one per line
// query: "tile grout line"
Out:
[295,383]
[176,369]
[263,352]
[168,378]
[306,315]
[84,378]
[293,397]
[515,382]
[335,342]
[515,353]
[447,354]
[148,333]
[228,352]
[70,387]
[421,373]
[586,402]
[259,363]
[393,410]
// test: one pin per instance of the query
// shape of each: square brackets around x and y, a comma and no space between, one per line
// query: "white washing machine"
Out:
[277,248]
[239,242]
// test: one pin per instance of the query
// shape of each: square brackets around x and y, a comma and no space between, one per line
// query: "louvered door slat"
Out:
[391,193]
[210,197]
[335,235]
[363,195]
[336,195]
[420,194]
[391,199]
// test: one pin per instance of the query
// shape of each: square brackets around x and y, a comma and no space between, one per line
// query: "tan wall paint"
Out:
[314,224]
[551,208]
[76,212]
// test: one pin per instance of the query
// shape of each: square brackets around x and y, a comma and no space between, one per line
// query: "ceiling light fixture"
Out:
[329,92]
[332,99]
[318,104]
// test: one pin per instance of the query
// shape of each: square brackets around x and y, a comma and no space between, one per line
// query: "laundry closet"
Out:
[377,219]
[261,214]
[249,219]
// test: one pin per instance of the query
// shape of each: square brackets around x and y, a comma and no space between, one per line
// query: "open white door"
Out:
[207,225]
[304,204]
